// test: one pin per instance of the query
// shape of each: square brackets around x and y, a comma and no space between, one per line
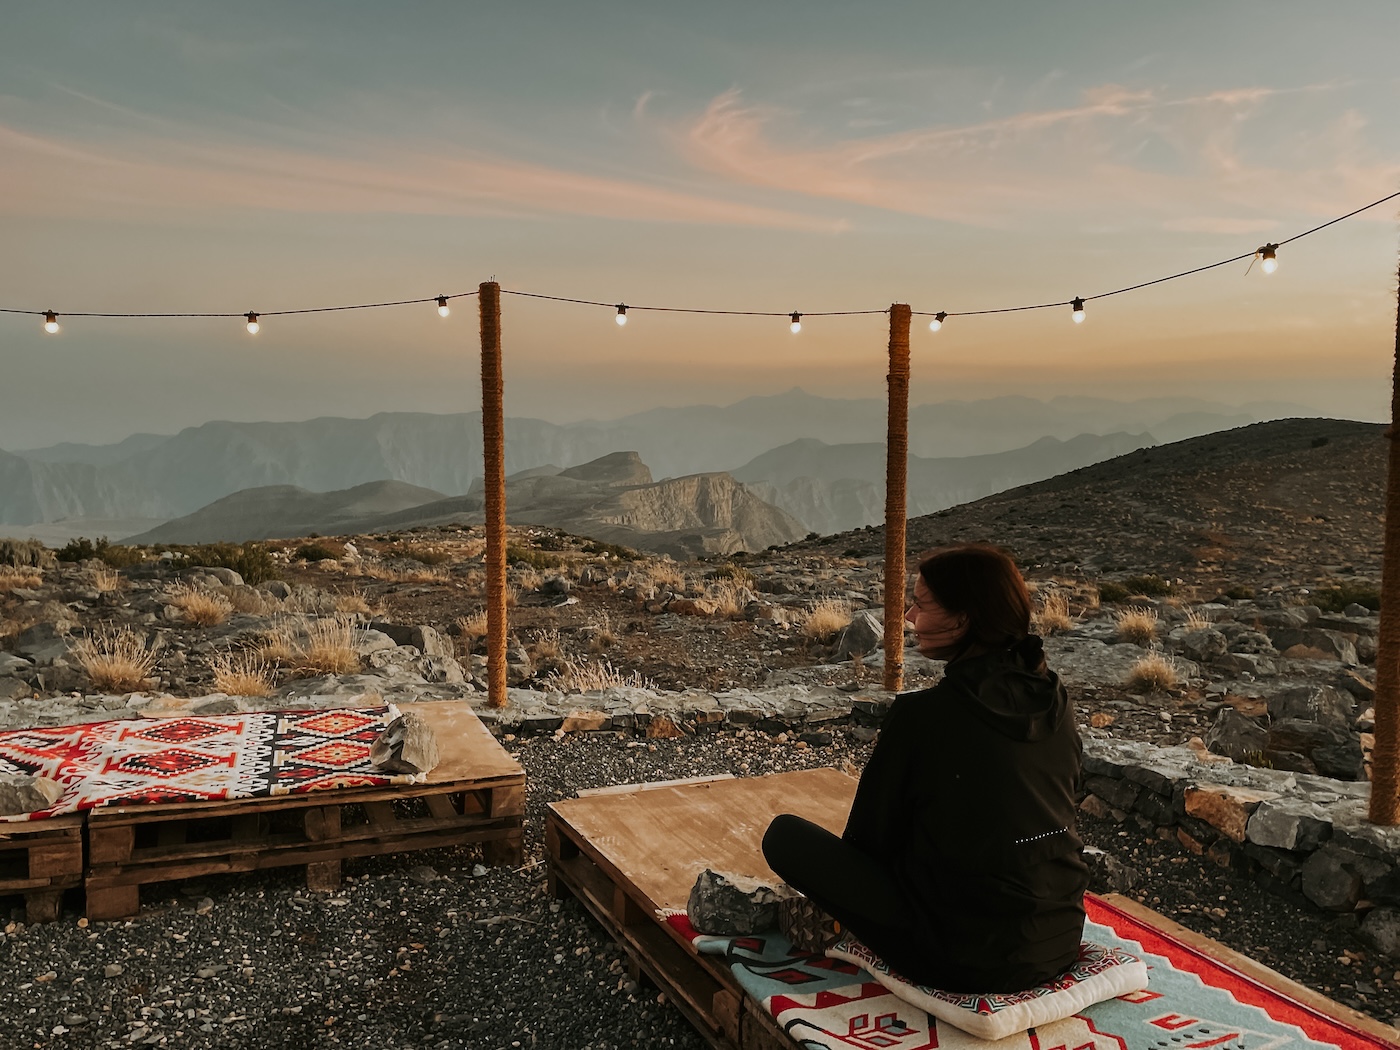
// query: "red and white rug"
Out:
[191,758]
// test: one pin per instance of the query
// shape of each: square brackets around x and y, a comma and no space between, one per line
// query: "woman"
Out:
[960,863]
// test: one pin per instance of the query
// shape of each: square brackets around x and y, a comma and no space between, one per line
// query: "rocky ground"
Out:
[1259,555]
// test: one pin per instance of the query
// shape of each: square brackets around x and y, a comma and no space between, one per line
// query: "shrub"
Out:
[730,571]
[243,674]
[427,555]
[1136,624]
[827,617]
[318,552]
[117,660]
[116,556]
[1153,671]
[329,648]
[1148,586]
[1053,614]
[611,550]
[200,607]
[1240,593]
[252,561]
[12,577]
[535,559]
[1337,598]
[1112,592]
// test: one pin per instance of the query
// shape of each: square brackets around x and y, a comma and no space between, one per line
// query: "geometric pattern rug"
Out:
[1191,1001]
[191,758]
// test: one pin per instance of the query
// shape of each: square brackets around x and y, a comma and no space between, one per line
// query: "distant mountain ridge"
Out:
[151,476]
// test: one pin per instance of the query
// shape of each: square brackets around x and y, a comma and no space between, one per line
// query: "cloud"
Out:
[151,173]
[1172,163]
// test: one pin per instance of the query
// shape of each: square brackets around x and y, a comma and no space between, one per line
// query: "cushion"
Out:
[1099,973]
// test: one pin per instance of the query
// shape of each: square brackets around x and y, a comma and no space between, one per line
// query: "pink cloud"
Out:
[49,175]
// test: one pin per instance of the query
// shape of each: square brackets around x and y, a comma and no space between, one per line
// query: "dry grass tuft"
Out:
[828,617]
[243,674]
[666,575]
[1136,623]
[1195,620]
[279,645]
[247,600]
[352,603]
[1053,614]
[200,607]
[11,576]
[529,580]
[548,649]
[1153,671]
[329,648]
[471,629]
[117,660]
[105,580]
[725,595]
[591,676]
[603,636]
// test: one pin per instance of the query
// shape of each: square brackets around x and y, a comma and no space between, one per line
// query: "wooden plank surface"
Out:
[659,839]
[466,748]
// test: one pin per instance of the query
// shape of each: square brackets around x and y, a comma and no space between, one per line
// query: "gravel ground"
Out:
[433,950]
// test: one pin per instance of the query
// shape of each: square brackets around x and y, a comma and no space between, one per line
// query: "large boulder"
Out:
[863,635]
[1314,703]
[1332,750]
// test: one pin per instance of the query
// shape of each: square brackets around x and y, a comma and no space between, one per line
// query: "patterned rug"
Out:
[1191,1002]
[196,759]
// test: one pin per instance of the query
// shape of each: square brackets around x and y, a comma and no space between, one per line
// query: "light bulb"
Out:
[253,325]
[51,322]
[443,311]
[796,325]
[1268,260]
[937,321]
[1078,307]
[621,314]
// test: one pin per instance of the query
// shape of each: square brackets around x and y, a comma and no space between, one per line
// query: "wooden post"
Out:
[493,450]
[896,503]
[1385,757]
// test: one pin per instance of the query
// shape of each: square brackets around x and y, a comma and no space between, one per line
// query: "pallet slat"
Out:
[39,860]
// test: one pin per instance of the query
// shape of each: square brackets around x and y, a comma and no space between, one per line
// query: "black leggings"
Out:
[855,889]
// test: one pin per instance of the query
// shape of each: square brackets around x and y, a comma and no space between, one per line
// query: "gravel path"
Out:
[433,950]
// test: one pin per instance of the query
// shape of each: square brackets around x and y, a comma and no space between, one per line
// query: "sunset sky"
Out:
[194,156]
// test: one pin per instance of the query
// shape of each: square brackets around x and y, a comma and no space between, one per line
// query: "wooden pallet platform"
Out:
[475,795]
[625,853]
[40,859]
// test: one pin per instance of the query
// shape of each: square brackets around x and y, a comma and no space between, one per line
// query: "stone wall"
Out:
[1304,837]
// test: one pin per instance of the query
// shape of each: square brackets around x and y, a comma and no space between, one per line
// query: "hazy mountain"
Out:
[285,510]
[152,476]
[832,488]
[612,498]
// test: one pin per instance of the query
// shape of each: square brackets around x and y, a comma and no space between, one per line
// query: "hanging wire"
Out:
[940,314]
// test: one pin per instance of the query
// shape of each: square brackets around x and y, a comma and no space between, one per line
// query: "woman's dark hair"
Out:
[983,584]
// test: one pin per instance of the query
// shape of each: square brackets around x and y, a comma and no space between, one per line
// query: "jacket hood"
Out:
[1010,696]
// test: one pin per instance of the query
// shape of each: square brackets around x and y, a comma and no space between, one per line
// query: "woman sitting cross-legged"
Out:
[960,864]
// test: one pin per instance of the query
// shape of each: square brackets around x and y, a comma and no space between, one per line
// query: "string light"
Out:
[1268,258]
[796,325]
[253,326]
[1078,307]
[621,314]
[50,322]
[938,320]
[443,311]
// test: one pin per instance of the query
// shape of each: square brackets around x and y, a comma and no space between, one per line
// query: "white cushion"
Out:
[1099,973]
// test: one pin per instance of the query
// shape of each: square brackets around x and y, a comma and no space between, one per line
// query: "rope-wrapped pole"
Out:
[494,453]
[896,502]
[1385,757]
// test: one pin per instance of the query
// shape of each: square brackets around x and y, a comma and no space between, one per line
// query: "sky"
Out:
[813,156]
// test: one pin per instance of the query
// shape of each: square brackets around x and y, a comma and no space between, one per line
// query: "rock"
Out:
[112,970]
[1107,874]
[1356,609]
[1288,823]
[1235,735]
[407,745]
[863,635]
[1329,881]
[1313,703]
[422,637]
[729,904]
[579,720]
[24,794]
[1353,683]
[1381,929]
[1225,807]
[1334,750]
[1203,645]
[372,641]
[663,728]
[227,577]
[15,689]
[12,664]
[1332,644]
[692,607]
[277,588]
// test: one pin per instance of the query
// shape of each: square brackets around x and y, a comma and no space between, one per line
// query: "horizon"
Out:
[816,158]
